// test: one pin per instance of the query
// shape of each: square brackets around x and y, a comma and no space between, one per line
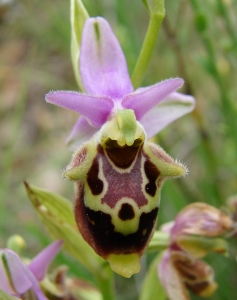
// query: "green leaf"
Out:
[152,288]
[57,216]
[78,16]
[57,205]
[5,296]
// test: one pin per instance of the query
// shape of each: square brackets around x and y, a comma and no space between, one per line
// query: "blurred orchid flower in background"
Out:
[16,278]
[108,87]
[194,233]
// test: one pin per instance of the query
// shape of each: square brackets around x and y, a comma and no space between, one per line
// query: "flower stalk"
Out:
[157,13]
[105,282]
[159,241]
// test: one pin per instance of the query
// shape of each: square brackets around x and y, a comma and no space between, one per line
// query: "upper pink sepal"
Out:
[102,63]
[20,280]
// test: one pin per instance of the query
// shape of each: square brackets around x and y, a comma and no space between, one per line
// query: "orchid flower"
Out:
[118,173]
[16,278]
[181,267]
[109,89]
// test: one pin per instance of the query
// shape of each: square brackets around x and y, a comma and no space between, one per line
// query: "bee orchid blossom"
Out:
[108,89]
[118,173]
[16,278]
[181,267]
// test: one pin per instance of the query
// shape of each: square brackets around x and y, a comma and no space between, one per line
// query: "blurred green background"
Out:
[197,41]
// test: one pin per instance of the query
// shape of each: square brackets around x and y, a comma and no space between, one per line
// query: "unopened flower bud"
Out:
[201,219]
[16,243]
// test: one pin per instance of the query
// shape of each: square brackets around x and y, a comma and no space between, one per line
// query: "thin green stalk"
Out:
[148,46]
[105,280]
[159,241]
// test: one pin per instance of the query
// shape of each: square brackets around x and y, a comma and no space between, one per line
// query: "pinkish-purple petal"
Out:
[95,108]
[168,110]
[167,227]
[40,263]
[22,278]
[19,279]
[102,63]
[35,285]
[81,132]
[162,268]
[171,279]
[144,99]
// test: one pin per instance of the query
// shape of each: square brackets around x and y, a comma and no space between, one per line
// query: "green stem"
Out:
[159,241]
[105,282]
[147,47]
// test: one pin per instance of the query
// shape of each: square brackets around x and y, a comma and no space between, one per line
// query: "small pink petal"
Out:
[20,280]
[21,277]
[171,279]
[144,99]
[81,132]
[167,227]
[35,285]
[40,263]
[167,111]
[102,63]
[94,108]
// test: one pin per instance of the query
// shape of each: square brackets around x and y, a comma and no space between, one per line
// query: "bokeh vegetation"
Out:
[197,41]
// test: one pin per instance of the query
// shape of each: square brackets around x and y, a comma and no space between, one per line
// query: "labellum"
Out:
[118,176]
